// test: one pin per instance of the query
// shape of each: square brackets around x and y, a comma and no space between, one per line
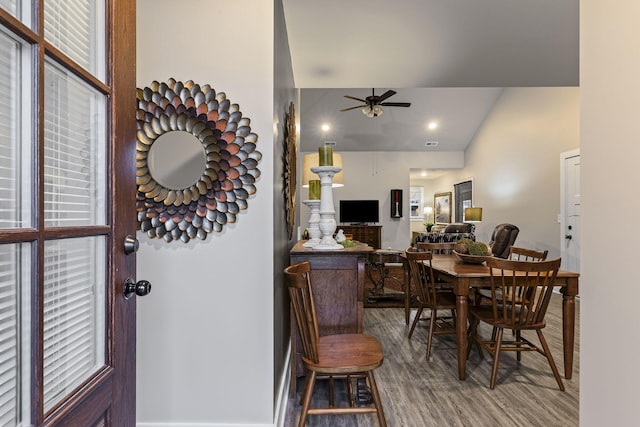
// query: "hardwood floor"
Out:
[417,393]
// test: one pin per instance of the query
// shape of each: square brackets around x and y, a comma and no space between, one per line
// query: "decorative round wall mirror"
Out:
[204,167]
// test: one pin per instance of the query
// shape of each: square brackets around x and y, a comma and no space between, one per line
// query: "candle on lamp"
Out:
[314,189]
[325,155]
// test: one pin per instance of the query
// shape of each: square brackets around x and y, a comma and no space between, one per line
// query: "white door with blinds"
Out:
[60,355]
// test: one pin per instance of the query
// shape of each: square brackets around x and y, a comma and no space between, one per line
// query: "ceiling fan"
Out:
[373,104]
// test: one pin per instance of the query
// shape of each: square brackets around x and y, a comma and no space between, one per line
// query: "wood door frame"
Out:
[123,110]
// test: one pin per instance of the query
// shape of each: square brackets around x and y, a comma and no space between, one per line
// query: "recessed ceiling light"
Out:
[423,173]
[325,127]
[433,125]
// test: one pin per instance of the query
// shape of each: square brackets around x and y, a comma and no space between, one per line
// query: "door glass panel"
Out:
[74,314]
[75,132]
[14,319]
[19,9]
[10,6]
[15,136]
[77,28]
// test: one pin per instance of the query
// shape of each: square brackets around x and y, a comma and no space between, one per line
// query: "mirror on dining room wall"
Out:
[176,160]
[196,160]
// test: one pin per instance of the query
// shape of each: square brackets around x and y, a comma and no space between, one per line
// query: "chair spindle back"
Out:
[521,290]
[524,254]
[298,279]
[437,248]
[422,274]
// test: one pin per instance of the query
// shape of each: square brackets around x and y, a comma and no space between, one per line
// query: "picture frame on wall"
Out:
[442,207]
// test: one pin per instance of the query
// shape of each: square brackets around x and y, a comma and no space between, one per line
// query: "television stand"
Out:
[369,234]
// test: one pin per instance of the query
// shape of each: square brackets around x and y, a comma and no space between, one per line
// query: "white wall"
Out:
[205,333]
[610,126]
[514,161]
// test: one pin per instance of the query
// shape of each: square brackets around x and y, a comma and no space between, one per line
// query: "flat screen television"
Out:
[359,211]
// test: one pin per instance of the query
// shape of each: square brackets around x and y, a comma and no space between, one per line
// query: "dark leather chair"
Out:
[502,238]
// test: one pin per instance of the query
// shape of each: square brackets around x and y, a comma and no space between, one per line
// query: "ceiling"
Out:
[449,58]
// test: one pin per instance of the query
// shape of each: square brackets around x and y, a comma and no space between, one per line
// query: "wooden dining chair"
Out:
[430,297]
[437,248]
[348,356]
[516,253]
[529,286]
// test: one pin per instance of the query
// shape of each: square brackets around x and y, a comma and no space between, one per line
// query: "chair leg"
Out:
[496,359]
[415,321]
[376,399]
[306,381]
[432,324]
[518,353]
[547,353]
[306,400]
[472,337]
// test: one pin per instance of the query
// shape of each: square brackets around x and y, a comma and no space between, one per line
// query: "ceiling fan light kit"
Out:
[373,104]
[373,111]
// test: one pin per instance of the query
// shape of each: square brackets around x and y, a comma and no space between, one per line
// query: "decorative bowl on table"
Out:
[471,259]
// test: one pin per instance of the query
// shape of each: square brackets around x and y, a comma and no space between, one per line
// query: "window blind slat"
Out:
[71,26]
[73,319]
[74,171]
[10,345]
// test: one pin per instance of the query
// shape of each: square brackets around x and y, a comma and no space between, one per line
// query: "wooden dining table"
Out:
[463,277]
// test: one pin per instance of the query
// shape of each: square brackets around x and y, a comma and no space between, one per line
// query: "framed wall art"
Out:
[442,207]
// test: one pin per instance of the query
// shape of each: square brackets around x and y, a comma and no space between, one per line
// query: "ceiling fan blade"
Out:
[386,95]
[353,97]
[353,108]
[396,104]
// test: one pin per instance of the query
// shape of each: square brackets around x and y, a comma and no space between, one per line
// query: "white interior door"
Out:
[570,221]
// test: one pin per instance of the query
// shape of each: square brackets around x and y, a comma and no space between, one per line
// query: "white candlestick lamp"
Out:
[327,222]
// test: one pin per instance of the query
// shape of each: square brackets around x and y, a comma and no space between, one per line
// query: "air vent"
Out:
[431,144]
[332,143]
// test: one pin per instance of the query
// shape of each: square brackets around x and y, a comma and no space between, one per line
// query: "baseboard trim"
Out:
[283,391]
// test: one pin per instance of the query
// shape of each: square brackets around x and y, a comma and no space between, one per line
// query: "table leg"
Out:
[568,330]
[461,290]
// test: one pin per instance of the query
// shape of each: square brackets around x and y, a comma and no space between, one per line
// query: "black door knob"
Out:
[140,288]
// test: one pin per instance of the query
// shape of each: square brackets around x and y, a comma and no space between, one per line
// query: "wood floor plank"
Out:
[417,393]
